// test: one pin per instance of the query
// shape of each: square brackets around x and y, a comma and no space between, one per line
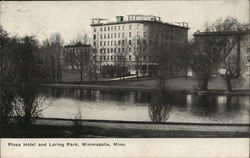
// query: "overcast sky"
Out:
[72,18]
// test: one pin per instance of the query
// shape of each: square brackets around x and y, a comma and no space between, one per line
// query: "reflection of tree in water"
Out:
[160,106]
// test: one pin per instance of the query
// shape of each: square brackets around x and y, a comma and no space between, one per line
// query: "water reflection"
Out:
[143,106]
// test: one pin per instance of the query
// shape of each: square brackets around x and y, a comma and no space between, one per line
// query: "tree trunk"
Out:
[81,69]
[204,85]
[228,80]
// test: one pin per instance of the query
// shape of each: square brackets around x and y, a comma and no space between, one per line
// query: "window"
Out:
[111,57]
[101,36]
[130,34]
[101,28]
[123,27]
[123,49]
[108,43]
[114,27]
[118,27]
[107,50]
[119,43]
[94,29]
[144,42]
[104,43]
[114,57]
[111,35]
[108,36]
[101,43]
[114,35]
[94,44]
[138,26]
[94,37]
[111,50]
[130,27]
[115,43]
[111,28]
[144,34]
[130,57]
[129,49]
[119,35]
[129,42]
[104,28]
[108,28]
[100,58]
[123,42]
[108,57]
[104,36]
[123,35]
[114,50]
[111,43]
[138,33]
[119,50]
[144,57]
[104,58]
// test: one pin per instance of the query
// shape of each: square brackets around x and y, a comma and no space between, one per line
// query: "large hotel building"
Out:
[111,39]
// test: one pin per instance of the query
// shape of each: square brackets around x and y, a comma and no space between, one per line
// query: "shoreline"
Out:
[65,128]
[147,89]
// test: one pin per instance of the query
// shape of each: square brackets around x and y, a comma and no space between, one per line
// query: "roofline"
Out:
[222,33]
[83,45]
[138,21]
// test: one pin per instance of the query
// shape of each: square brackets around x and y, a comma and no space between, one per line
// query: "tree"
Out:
[21,77]
[123,48]
[8,75]
[139,45]
[29,79]
[83,57]
[206,59]
[185,57]
[231,32]
[52,50]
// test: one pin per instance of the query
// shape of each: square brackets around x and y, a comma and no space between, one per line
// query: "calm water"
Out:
[135,106]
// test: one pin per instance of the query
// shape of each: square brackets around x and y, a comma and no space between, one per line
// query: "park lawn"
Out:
[178,83]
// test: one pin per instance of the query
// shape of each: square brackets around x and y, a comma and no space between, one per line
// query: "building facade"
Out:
[76,55]
[133,38]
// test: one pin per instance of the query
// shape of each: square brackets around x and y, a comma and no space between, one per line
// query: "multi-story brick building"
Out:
[119,39]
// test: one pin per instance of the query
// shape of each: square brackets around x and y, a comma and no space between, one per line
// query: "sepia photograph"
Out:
[124,69]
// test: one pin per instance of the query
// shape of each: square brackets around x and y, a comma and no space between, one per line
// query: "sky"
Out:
[71,18]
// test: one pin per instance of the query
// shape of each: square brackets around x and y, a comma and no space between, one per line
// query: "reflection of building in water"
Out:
[221,100]
[189,99]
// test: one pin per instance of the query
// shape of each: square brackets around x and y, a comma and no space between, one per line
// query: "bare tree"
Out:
[53,48]
[139,47]
[206,59]
[230,31]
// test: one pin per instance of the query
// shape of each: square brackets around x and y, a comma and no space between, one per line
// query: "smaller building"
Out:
[76,55]
[240,51]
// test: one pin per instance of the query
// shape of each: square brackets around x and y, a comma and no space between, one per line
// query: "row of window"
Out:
[121,42]
[114,58]
[114,35]
[158,28]
[119,50]
[111,28]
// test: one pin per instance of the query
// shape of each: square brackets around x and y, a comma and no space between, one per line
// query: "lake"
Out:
[136,106]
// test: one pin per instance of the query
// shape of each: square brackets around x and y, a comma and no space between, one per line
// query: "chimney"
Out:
[119,18]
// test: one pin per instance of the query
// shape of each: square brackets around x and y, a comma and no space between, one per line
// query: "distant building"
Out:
[111,39]
[74,54]
[241,50]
